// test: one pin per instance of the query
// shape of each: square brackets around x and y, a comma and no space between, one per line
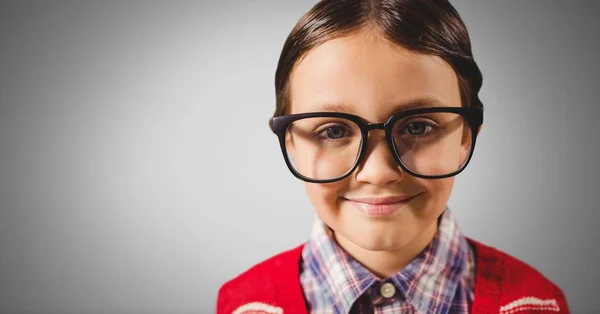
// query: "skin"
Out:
[365,74]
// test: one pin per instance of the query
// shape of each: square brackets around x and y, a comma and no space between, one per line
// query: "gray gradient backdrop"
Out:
[122,192]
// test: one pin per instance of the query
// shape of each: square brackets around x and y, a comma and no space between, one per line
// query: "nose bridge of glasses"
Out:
[375,126]
[375,143]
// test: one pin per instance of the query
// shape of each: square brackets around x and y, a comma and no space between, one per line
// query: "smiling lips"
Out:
[381,206]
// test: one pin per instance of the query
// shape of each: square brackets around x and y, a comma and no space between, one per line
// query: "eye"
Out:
[335,132]
[418,128]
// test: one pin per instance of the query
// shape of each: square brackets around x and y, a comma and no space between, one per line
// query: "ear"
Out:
[479,129]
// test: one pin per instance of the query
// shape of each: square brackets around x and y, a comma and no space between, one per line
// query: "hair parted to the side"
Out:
[425,26]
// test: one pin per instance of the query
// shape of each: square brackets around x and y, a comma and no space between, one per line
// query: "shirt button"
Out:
[387,290]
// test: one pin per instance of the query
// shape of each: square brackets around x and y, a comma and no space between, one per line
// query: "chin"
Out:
[375,239]
[380,246]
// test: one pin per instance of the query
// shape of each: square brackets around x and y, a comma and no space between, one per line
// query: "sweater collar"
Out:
[430,278]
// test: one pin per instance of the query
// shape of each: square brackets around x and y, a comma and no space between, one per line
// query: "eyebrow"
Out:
[423,102]
[332,107]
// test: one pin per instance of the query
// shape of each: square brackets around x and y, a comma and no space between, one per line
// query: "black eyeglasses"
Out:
[429,143]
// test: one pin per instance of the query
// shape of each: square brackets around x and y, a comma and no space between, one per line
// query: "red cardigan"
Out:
[503,284]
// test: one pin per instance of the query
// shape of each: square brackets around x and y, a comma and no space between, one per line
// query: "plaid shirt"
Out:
[439,280]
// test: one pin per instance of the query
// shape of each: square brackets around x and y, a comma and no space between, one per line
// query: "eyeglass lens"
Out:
[430,144]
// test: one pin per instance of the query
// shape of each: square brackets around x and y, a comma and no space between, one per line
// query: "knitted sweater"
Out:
[503,284]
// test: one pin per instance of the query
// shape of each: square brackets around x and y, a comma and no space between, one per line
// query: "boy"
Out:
[377,112]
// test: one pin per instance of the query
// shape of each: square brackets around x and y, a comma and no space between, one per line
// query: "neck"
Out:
[385,264]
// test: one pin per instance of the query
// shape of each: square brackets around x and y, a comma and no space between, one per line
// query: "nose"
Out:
[378,166]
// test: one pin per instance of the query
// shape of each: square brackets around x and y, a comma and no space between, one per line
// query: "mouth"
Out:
[381,206]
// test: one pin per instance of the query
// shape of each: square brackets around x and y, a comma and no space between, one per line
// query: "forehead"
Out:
[371,77]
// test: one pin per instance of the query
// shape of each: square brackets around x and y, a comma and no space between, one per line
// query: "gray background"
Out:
[121,190]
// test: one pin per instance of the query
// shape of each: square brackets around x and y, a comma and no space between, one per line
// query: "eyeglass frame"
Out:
[280,124]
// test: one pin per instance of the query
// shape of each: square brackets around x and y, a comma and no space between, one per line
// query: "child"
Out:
[377,112]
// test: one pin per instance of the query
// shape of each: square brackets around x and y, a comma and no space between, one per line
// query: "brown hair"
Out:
[425,26]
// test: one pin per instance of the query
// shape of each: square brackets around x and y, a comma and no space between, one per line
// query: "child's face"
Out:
[370,77]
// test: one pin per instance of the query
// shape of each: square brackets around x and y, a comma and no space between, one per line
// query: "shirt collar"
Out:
[430,277]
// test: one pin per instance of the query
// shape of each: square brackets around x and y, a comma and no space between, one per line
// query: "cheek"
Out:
[437,192]
[324,197]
